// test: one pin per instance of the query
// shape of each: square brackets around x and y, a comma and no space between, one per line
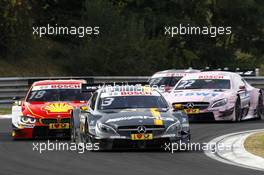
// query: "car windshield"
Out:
[204,84]
[164,81]
[123,102]
[48,95]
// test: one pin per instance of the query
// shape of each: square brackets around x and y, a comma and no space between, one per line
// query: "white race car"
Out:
[216,96]
[169,78]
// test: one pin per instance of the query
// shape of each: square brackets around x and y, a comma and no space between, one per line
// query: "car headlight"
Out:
[27,120]
[219,103]
[105,128]
[173,128]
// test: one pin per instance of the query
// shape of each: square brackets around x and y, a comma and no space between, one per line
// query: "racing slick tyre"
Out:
[84,134]
[260,107]
[73,132]
[238,111]
[75,135]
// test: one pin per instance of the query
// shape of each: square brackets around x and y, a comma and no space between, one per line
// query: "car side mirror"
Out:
[168,89]
[17,100]
[84,108]
[242,87]
[177,107]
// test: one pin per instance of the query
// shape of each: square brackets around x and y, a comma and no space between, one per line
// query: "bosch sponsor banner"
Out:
[158,75]
[57,86]
[34,79]
[128,93]
[213,77]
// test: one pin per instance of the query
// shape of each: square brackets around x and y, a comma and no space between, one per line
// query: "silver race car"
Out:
[168,78]
[129,119]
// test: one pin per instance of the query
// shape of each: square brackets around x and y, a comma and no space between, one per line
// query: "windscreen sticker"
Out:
[37,95]
[107,101]
[57,86]
[126,93]
[170,75]
[190,94]
[186,83]
[129,93]
[213,77]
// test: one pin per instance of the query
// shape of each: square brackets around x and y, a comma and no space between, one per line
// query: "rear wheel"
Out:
[73,131]
[238,111]
[260,107]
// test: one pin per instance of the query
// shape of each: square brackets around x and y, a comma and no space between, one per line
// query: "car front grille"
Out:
[65,120]
[196,105]
[45,132]
[135,128]
[54,120]
[48,121]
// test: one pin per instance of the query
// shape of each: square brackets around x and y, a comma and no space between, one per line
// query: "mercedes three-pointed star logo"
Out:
[190,105]
[141,129]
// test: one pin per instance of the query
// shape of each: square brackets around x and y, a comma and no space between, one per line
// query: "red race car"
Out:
[47,109]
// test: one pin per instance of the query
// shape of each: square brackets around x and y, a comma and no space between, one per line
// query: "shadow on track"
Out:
[249,121]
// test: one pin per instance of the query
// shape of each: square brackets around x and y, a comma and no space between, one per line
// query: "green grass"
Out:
[5,111]
[255,144]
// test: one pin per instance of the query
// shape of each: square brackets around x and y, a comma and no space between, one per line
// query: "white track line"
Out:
[234,152]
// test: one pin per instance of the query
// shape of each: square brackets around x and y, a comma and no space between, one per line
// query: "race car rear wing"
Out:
[92,87]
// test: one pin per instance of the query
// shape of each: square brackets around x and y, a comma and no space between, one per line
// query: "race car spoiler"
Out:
[89,87]
[242,72]
[92,87]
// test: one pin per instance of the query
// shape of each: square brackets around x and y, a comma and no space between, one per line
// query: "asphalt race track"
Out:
[18,157]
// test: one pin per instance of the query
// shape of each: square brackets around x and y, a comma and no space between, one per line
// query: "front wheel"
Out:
[84,133]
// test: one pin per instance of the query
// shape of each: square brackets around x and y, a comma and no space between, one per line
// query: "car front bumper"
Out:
[225,113]
[39,132]
[128,143]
